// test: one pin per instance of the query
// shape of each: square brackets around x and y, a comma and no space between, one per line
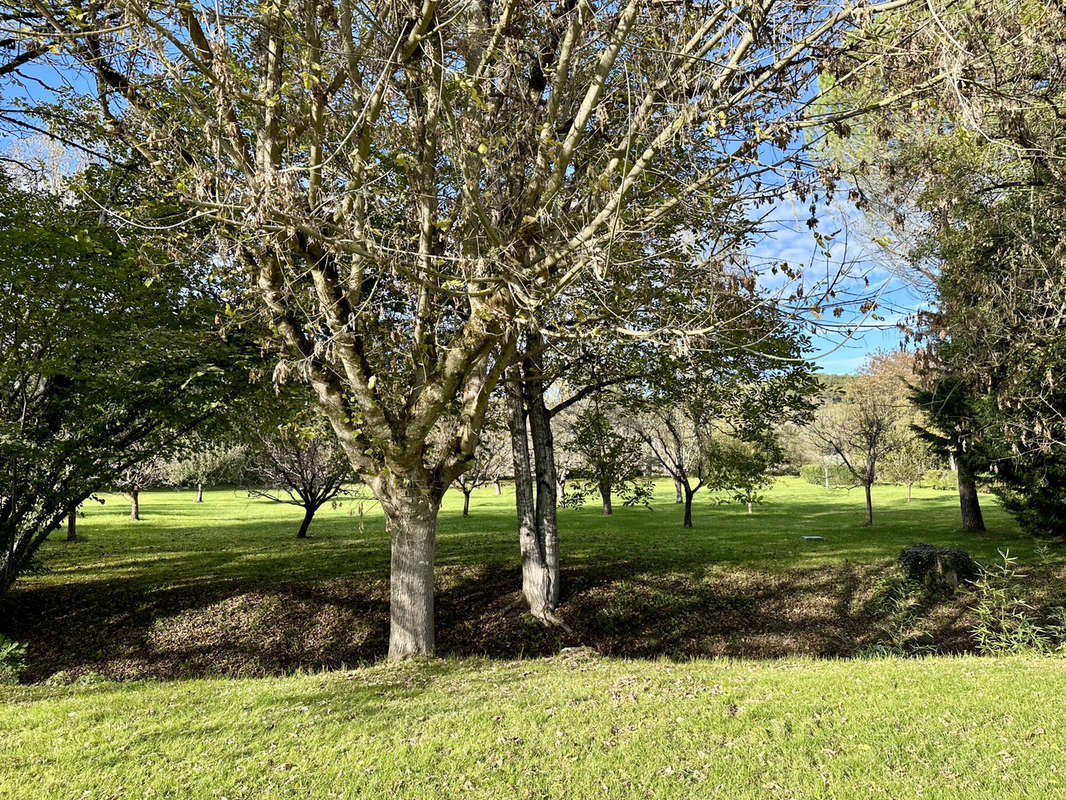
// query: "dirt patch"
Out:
[127,631]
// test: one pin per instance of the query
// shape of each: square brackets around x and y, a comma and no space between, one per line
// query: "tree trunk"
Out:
[199,493]
[411,513]
[679,491]
[497,487]
[605,496]
[825,472]
[544,471]
[951,462]
[749,508]
[869,507]
[309,514]
[466,503]
[688,506]
[72,525]
[135,504]
[972,519]
[539,553]
[909,485]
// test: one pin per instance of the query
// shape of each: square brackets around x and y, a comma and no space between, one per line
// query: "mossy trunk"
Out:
[412,520]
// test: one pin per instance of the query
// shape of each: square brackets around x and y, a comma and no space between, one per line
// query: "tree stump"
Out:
[937,566]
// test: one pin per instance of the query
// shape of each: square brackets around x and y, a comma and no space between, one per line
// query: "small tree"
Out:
[741,466]
[302,465]
[207,465]
[491,457]
[138,477]
[612,462]
[679,438]
[908,460]
[861,429]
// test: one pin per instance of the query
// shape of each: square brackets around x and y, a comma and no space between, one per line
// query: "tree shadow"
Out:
[128,630]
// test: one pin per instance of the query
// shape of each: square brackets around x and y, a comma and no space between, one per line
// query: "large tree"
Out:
[407,184]
[968,190]
[105,361]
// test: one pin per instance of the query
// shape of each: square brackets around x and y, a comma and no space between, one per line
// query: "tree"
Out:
[612,461]
[490,460]
[741,466]
[105,361]
[406,186]
[207,464]
[860,430]
[136,478]
[300,463]
[969,188]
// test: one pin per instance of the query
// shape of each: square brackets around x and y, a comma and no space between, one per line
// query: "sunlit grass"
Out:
[567,727]
[234,536]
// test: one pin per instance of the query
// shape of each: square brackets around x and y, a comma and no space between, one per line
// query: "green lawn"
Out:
[567,727]
[234,536]
[246,636]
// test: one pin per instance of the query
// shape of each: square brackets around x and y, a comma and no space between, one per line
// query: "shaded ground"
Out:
[239,628]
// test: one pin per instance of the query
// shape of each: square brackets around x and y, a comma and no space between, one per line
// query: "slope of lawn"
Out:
[570,726]
[225,588]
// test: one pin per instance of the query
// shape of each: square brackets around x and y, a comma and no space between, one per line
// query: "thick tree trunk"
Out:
[869,507]
[605,496]
[679,491]
[972,519]
[749,508]
[135,504]
[466,503]
[309,514]
[688,506]
[497,487]
[199,493]
[411,513]
[72,525]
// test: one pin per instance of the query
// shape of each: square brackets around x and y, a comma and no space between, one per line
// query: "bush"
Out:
[1006,623]
[839,475]
[12,660]
[937,566]
[943,479]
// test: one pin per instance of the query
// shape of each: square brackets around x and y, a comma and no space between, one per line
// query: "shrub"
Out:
[12,660]
[943,479]
[1006,623]
[839,475]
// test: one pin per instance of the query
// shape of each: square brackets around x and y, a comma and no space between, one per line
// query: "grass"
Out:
[235,537]
[225,589]
[573,726]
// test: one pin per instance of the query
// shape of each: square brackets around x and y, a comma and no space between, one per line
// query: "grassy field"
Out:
[571,726]
[234,536]
[233,642]
[225,588]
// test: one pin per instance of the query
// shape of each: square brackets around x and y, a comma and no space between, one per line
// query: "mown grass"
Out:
[572,726]
[232,536]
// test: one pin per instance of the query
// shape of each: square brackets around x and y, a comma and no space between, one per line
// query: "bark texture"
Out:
[969,503]
[199,493]
[412,520]
[72,525]
[135,504]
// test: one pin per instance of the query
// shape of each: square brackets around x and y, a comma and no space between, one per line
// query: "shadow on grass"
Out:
[628,609]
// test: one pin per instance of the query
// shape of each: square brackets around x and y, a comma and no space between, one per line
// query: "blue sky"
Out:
[853,259]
